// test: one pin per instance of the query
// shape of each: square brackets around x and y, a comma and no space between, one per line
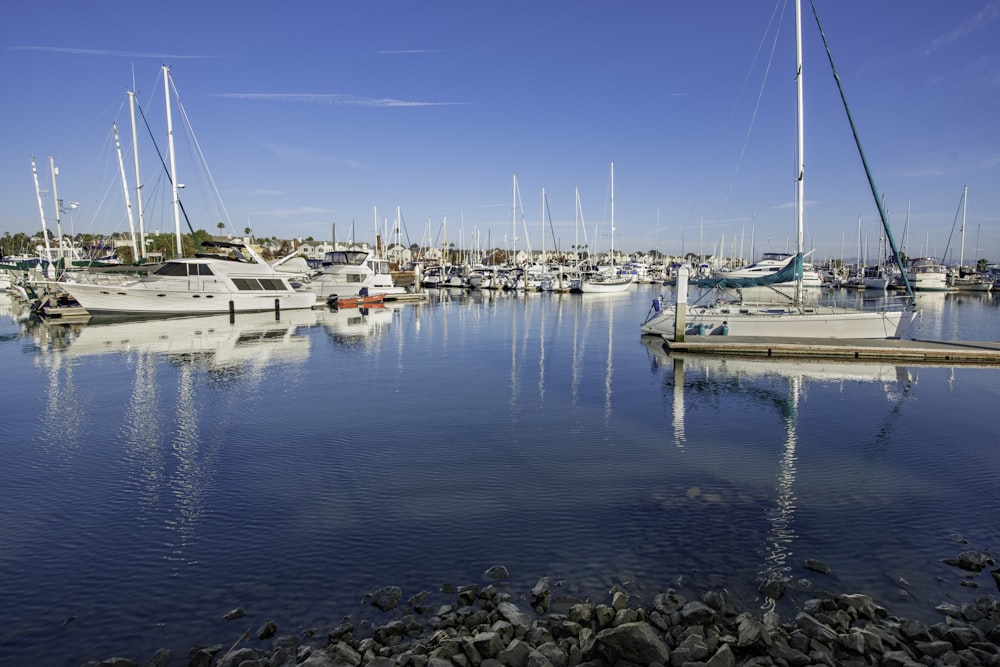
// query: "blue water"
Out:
[159,474]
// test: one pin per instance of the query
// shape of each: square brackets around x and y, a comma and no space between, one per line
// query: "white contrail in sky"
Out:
[336,98]
[103,52]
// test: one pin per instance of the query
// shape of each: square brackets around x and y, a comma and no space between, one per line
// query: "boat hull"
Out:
[788,322]
[130,300]
[606,286]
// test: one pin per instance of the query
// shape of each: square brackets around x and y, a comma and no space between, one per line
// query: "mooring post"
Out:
[680,310]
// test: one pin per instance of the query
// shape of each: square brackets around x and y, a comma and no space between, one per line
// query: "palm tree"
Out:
[249,233]
[221,226]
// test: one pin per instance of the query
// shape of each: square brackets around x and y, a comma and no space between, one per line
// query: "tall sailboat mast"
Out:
[173,164]
[128,200]
[138,183]
[55,197]
[612,215]
[801,158]
[41,210]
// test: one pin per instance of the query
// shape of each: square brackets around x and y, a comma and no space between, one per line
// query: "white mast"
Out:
[138,183]
[41,210]
[800,142]
[514,222]
[542,258]
[961,256]
[612,215]
[55,197]
[173,164]
[128,200]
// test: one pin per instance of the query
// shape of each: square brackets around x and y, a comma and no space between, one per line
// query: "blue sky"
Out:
[311,115]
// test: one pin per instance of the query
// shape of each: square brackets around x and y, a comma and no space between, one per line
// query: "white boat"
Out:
[770,263]
[795,319]
[612,280]
[345,273]
[926,274]
[973,283]
[239,281]
[878,277]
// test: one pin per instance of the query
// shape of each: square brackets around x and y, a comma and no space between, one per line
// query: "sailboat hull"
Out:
[814,321]
[606,286]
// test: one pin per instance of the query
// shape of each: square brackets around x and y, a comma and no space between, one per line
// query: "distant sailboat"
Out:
[609,280]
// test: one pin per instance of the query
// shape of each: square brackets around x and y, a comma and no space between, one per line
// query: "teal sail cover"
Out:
[791,272]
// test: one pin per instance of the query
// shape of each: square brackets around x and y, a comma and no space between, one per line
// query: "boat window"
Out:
[246,284]
[354,278]
[172,269]
[273,284]
[200,270]
[345,257]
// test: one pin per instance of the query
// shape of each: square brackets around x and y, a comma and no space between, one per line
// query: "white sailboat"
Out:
[610,280]
[797,318]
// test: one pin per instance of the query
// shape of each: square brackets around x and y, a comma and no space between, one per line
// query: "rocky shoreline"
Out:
[484,625]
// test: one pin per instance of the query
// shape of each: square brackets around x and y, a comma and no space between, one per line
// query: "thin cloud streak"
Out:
[988,15]
[336,99]
[105,52]
[406,51]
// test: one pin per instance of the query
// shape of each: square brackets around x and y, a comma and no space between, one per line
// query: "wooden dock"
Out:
[891,349]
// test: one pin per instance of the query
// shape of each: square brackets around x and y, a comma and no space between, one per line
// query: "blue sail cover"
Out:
[791,272]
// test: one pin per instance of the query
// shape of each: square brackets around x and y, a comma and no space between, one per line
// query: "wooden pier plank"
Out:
[891,349]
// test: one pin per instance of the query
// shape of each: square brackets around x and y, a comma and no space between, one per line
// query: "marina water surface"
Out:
[158,474]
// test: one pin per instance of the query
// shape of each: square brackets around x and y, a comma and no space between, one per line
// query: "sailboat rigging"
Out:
[796,319]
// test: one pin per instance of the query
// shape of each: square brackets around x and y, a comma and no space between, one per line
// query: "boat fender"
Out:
[656,305]
[725,328]
[702,329]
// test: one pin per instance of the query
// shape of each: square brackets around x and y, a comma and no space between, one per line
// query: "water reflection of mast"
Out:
[607,376]
[541,357]
[513,358]
[577,352]
[781,534]
[188,485]
[142,428]
[678,417]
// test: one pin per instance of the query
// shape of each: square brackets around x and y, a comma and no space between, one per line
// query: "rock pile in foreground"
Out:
[485,627]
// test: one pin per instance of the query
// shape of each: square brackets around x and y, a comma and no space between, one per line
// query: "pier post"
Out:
[680,309]
[417,278]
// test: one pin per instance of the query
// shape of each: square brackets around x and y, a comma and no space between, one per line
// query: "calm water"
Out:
[157,475]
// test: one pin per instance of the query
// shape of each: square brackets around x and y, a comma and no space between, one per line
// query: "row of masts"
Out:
[138,242]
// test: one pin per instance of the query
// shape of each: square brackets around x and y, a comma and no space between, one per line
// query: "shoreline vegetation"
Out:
[486,625]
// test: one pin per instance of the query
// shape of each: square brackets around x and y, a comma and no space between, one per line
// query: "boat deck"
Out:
[891,349]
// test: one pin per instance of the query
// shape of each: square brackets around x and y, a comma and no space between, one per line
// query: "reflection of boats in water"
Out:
[781,384]
[253,338]
[357,323]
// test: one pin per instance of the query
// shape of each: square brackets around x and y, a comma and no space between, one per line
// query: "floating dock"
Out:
[889,349]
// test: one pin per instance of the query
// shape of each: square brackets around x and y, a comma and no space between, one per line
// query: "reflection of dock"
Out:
[957,352]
